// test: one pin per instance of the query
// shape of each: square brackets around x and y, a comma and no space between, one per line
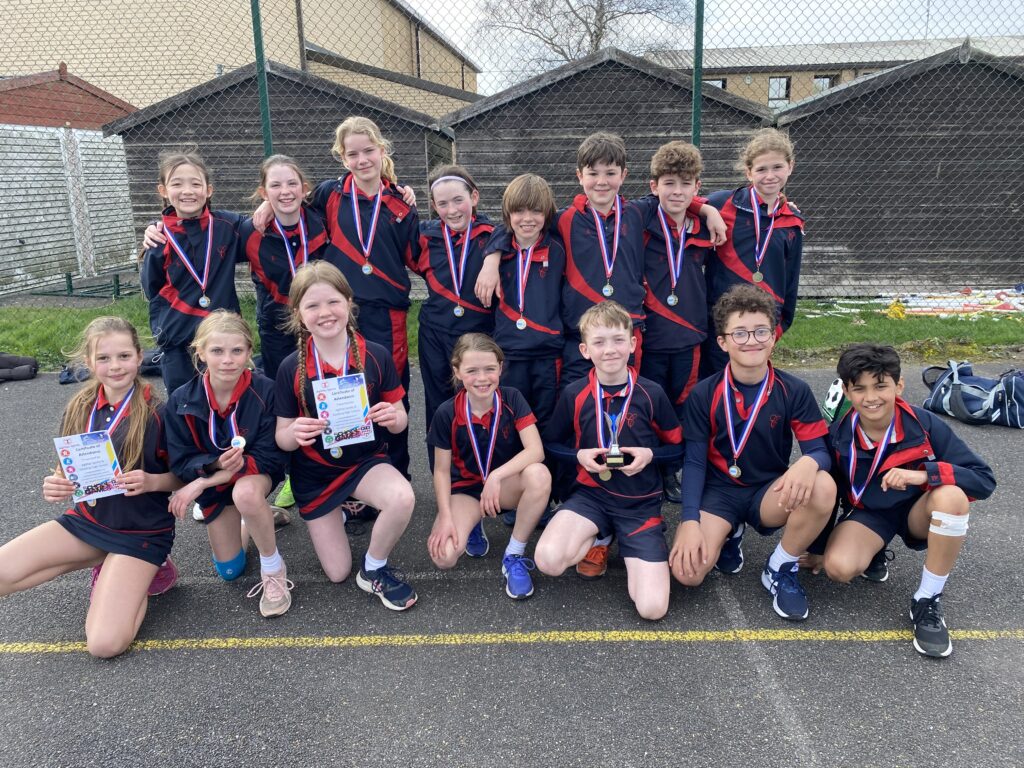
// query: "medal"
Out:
[458,270]
[605,474]
[484,466]
[204,300]
[675,255]
[336,452]
[727,399]
[524,260]
[211,425]
[521,323]
[303,243]
[606,258]
[614,457]
[238,441]
[459,310]
[761,250]
[91,502]
[366,245]
[855,492]
[672,300]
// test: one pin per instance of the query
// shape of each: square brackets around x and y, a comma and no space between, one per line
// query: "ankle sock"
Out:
[780,557]
[515,547]
[272,564]
[931,585]
[373,564]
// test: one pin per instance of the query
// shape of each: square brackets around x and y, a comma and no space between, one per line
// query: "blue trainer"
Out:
[790,599]
[477,544]
[730,559]
[389,585]
[516,570]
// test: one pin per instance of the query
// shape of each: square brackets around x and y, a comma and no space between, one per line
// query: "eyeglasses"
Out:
[761,334]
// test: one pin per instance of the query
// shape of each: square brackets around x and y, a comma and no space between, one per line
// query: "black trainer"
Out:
[673,491]
[931,636]
[878,569]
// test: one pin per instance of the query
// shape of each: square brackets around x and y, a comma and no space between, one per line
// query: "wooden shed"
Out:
[222,117]
[537,125]
[58,99]
[913,178]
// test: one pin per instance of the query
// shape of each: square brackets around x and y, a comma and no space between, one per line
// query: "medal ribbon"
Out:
[485,469]
[366,245]
[459,271]
[319,365]
[212,425]
[303,241]
[609,262]
[599,409]
[755,206]
[727,387]
[880,450]
[523,260]
[120,413]
[675,257]
[172,241]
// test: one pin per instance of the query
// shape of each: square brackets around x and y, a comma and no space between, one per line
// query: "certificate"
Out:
[344,404]
[90,462]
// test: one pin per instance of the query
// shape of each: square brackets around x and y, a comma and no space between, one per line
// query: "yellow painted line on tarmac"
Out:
[518,638]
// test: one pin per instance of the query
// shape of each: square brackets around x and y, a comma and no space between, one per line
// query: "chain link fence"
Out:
[905,117]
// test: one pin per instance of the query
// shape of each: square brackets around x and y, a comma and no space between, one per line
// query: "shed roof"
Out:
[963,53]
[603,56]
[412,13]
[274,69]
[56,75]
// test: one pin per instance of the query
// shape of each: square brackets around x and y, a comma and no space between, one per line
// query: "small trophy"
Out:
[614,458]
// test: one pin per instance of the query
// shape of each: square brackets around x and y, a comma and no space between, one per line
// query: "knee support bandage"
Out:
[229,570]
[945,524]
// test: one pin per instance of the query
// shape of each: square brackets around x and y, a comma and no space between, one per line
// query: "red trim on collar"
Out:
[240,386]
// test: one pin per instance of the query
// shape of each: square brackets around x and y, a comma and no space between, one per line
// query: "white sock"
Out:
[373,564]
[780,557]
[515,547]
[271,564]
[931,585]
[603,542]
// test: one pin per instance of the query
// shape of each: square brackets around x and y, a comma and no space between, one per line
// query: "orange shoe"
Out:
[594,564]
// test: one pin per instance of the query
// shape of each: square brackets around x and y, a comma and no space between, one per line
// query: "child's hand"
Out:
[262,216]
[898,479]
[689,550]
[384,414]
[306,430]
[716,224]
[135,482]
[487,282]
[587,458]
[408,194]
[183,499]
[57,488]
[232,460]
[796,484]
[812,563]
[154,236]
[641,458]
[490,497]
[442,537]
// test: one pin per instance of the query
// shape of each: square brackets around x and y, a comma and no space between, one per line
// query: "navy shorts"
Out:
[640,530]
[312,505]
[214,500]
[888,524]
[737,504]
[152,547]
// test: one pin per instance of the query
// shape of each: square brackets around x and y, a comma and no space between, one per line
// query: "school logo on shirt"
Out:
[774,420]
[222,251]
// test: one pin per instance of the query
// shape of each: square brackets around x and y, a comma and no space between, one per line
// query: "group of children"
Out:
[564,355]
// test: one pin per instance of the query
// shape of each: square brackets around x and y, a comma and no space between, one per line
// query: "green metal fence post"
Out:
[698,69]
[261,78]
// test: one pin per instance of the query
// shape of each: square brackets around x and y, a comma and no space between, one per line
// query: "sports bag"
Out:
[956,391]
[17,368]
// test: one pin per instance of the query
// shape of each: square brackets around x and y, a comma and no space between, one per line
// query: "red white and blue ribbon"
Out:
[366,245]
[201,281]
[485,467]
[212,424]
[755,207]
[880,450]
[675,255]
[120,413]
[458,270]
[319,365]
[303,242]
[613,419]
[762,397]
[523,261]
[609,260]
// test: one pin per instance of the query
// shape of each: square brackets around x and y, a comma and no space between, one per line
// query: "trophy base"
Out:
[614,460]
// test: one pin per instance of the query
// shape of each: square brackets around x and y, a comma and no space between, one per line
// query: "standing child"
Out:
[295,236]
[610,418]
[323,317]
[739,428]
[487,456]
[127,538]
[220,434]
[450,254]
[763,249]
[189,266]
[902,472]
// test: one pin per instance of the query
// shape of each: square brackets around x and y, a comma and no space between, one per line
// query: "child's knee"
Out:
[691,580]
[652,605]
[537,478]
[549,558]
[337,573]
[949,499]
[229,570]
[447,560]
[247,496]
[841,567]
[823,493]
[106,644]
[399,498]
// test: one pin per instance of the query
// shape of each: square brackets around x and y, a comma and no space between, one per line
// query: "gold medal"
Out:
[758,277]
[605,474]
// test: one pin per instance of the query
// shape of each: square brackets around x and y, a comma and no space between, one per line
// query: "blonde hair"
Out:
[170,160]
[607,314]
[288,162]
[473,342]
[368,128]
[528,192]
[79,409]
[761,143]
[310,274]
[220,321]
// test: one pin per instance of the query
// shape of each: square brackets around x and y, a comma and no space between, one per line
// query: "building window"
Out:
[824,82]
[718,82]
[778,92]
